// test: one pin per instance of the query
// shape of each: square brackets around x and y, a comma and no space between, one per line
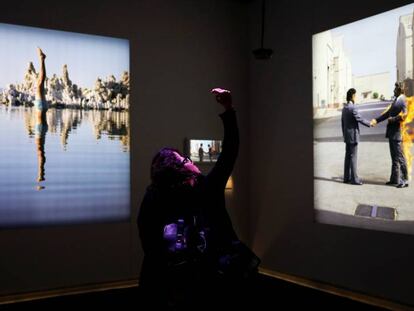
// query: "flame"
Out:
[407,131]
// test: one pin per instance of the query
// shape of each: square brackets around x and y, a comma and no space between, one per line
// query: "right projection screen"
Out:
[363,110]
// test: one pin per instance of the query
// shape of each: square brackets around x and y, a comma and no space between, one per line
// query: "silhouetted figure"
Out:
[185,229]
[395,116]
[210,153]
[201,153]
[350,131]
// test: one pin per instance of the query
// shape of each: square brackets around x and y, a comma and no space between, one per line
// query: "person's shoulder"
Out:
[148,193]
[228,113]
[349,106]
[151,194]
[402,99]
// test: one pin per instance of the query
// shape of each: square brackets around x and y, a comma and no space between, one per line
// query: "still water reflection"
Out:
[71,167]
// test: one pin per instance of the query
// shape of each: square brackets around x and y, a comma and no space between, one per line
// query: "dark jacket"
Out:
[205,200]
[350,120]
[395,115]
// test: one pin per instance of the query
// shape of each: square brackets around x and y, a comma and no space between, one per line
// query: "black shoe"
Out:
[402,185]
[391,183]
[359,183]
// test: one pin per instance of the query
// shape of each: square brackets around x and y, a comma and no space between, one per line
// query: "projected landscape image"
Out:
[64,127]
[363,142]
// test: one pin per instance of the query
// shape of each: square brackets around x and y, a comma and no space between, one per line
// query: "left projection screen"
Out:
[64,139]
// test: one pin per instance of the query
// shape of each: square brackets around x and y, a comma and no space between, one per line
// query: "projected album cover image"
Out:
[205,150]
[363,108]
[64,127]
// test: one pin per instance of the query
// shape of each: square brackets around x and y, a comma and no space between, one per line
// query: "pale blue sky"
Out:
[371,43]
[87,56]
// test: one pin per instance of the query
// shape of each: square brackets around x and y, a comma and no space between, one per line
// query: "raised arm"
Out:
[221,171]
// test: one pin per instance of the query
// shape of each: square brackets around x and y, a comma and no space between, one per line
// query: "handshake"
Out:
[373,123]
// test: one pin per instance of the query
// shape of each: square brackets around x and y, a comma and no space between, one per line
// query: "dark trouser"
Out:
[399,164]
[350,167]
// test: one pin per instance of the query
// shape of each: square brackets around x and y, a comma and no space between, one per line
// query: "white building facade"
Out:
[405,48]
[367,85]
[332,72]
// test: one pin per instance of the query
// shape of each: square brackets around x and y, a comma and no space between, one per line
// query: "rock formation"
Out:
[61,92]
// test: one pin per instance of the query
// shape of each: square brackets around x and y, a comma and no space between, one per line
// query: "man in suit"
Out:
[350,131]
[395,116]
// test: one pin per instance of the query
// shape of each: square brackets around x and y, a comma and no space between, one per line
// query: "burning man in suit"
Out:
[395,116]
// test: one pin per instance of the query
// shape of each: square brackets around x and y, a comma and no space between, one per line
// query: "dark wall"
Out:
[179,51]
[281,175]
